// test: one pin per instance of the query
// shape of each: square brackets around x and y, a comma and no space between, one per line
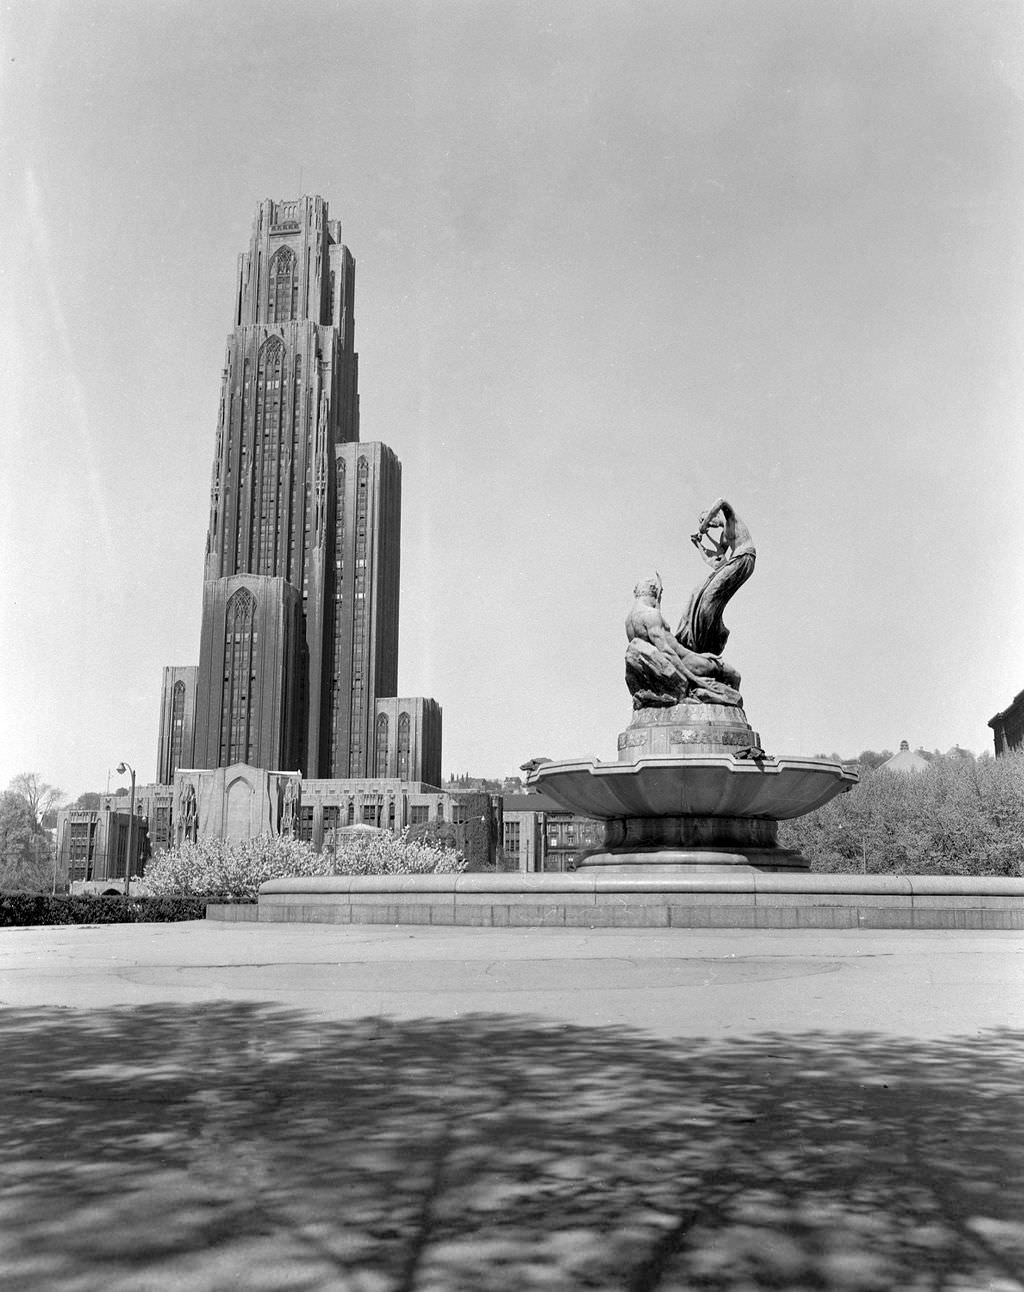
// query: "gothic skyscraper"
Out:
[300,597]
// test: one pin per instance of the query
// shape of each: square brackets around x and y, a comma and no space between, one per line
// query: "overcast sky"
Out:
[613,260]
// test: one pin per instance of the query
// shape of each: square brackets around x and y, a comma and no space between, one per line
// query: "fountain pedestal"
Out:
[692,792]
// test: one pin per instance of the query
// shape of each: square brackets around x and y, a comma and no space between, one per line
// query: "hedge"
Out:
[26,909]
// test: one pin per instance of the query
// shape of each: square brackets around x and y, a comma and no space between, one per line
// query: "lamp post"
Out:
[121,769]
[58,843]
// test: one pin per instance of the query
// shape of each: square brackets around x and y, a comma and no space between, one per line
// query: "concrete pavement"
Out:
[204,1107]
[671,982]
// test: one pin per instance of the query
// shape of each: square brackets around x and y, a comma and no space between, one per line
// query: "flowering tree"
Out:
[214,867]
[382,853]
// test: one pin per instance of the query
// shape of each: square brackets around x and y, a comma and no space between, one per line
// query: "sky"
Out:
[614,260]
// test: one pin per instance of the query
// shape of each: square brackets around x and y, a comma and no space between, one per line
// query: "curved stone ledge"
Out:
[708,900]
[707,786]
[588,882]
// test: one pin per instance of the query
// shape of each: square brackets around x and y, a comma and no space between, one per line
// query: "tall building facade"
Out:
[367,538]
[407,740]
[250,671]
[177,741]
[299,636]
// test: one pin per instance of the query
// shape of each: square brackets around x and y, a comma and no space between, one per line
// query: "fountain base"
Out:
[691,844]
[692,792]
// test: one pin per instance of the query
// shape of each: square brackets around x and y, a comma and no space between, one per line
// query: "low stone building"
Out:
[92,846]
[242,802]
[1008,727]
[906,760]
[153,804]
[539,836]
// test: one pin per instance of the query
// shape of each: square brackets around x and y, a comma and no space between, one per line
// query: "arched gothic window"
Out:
[177,725]
[283,291]
[266,490]
[237,735]
[403,746]
[382,744]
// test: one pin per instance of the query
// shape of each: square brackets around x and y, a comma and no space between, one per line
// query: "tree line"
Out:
[959,816]
[28,808]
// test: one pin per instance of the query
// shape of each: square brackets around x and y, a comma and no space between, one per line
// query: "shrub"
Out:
[218,868]
[28,909]
[475,837]
[958,817]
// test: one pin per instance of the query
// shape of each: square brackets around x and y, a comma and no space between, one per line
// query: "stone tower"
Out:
[300,598]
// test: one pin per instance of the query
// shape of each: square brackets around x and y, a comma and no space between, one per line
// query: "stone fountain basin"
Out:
[716,785]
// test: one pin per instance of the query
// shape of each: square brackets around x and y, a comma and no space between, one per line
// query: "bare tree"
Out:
[40,797]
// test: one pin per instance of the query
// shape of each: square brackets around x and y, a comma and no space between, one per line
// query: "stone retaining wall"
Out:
[747,900]
[234,912]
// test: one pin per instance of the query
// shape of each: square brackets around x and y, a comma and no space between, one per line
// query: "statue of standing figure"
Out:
[663,669]
[290,807]
[189,813]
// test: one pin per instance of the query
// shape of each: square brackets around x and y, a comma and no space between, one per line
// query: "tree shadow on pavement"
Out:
[244,1146]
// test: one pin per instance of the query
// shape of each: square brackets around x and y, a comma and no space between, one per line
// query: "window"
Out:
[269,426]
[237,734]
[177,726]
[371,813]
[419,814]
[160,831]
[283,293]
[510,838]
[460,813]
[382,744]
[403,747]
[306,822]
[81,839]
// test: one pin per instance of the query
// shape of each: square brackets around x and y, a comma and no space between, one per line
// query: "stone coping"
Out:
[549,885]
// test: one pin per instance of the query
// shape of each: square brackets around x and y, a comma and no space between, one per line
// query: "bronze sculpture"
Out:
[731,558]
[664,670]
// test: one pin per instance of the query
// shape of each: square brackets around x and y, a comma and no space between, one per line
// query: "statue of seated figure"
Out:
[660,670]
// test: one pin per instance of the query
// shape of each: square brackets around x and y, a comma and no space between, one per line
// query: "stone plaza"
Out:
[210,1105]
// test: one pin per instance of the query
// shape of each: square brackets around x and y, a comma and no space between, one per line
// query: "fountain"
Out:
[691,810]
[692,790]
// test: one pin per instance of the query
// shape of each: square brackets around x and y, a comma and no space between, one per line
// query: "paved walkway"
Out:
[210,1106]
[671,982]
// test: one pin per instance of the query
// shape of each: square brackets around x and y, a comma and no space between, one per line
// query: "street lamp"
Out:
[121,769]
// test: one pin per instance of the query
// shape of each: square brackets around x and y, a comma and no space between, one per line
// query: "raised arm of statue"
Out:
[731,558]
[735,539]
[707,518]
